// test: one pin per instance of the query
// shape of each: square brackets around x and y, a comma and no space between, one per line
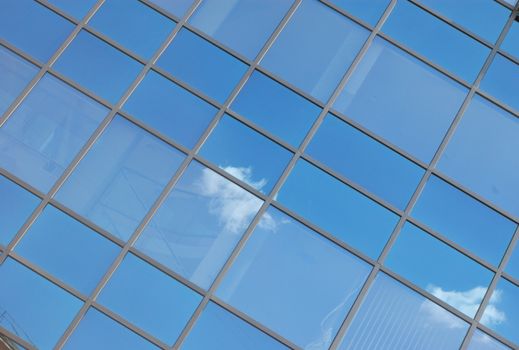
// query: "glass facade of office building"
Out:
[259,174]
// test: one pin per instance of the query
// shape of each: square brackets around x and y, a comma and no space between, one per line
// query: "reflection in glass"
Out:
[510,44]
[177,7]
[368,12]
[502,81]
[482,341]
[196,228]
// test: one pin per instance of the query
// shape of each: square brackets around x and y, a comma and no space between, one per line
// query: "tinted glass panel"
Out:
[98,66]
[481,341]
[365,161]
[202,65]
[169,109]
[502,81]
[324,55]
[511,42]
[401,99]
[337,208]
[67,249]
[120,178]
[77,9]
[286,277]
[370,13]
[177,7]
[149,299]
[246,154]
[46,131]
[436,40]
[512,266]
[198,225]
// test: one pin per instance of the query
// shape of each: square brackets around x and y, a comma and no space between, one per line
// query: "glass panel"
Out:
[120,178]
[464,220]
[32,27]
[133,25]
[16,205]
[219,329]
[177,7]
[401,99]
[202,65]
[436,40]
[370,13]
[197,227]
[67,249]
[324,56]
[512,266]
[337,208]
[275,108]
[97,331]
[482,341]
[365,161]
[29,306]
[442,271]
[246,154]
[511,42]
[98,66]
[77,9]
[16,73]
[393,317]
[162,310]
[482,154]
[287,278]
[46,132]
[502,81]
[244,26]
[168,108]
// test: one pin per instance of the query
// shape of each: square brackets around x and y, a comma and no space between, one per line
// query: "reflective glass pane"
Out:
[149,299]
[365,161]
[511,42]
[244,26]
[275,108]
[176,7]
[464,220]
[436,40]
[100,332]
[368,12]
[169,109]
[196,228]
[337,208]
[67,249]
[98,66]
[32,307]
[442,271]
[502,81]
[512,266]
[482,341]
[202,65]
[287,278]
[246,154]
[324,55]
[32,27]
[120,178]
[132,24]
[46,132]
[401,99]
[77,9]
[16,205]
[482,154]
[393,317]
[218,329]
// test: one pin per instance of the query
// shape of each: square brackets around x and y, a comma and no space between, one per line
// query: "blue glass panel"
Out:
[46,131]
[77,9]
[511,42]
[482,154]
[176,7]
[246,154]
[133,25]
[32,27]
[202,65]
[286,277]
[365,161]
[32,307]
[171,110]
[442,271]
[337,208]
[16,73]
[502,81]
[16,205]
[436,40]
[219,329]
[464,220]
[120,178]
[98,66]
[197,227]
[401,99]
[324,55]
[369,12]
[275,108]
[97,331]
[67,249]
[482,341]
[512,266]
[149,299]
[244,26]
[393,317]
